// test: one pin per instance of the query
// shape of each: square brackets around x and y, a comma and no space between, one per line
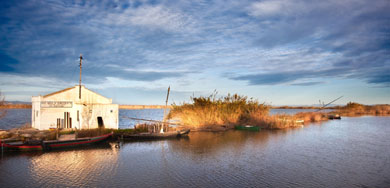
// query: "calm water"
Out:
[352,152]
[15,118]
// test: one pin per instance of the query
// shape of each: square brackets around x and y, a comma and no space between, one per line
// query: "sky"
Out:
[280,52]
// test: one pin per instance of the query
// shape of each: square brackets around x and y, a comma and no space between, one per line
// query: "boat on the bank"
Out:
[51,144]
[164,135]
[334,116]
[247,127]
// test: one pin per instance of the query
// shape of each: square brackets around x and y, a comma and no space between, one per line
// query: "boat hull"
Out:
[166,135]
[51,145]
[247,128]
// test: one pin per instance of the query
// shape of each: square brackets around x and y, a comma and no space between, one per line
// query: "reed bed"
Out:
[213,113]
[356,109]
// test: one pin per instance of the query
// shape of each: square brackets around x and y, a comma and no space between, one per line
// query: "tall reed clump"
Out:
[209,112]
[356,109]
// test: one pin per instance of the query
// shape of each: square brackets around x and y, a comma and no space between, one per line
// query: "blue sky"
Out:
[283,52]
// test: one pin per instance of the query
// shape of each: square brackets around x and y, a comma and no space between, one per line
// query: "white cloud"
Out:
[153,17]
[266,8]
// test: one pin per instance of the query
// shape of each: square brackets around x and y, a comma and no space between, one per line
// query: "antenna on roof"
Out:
[81,62]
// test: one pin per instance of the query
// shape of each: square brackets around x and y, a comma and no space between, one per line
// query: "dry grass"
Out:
[211,112]
[3,111]
[311,116]
[92,132]
[278,121]
[208,112]
[356,109]
[282,121]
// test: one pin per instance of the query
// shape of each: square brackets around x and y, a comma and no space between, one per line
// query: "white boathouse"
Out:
[74,107]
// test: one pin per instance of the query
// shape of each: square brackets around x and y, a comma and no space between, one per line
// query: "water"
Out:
[151,114]
[352,152]
[15,118]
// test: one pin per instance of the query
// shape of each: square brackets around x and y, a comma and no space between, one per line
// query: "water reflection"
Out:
[353,152]
[210,143]
[79,167]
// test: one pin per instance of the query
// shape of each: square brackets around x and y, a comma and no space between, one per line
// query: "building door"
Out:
[67,124]
[100,122]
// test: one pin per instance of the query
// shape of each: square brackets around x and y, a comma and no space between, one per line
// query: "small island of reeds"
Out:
[221,113]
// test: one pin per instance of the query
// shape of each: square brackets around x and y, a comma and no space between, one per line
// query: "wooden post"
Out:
[166,105]
[81,62]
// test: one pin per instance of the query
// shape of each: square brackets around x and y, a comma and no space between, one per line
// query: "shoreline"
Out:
[126,107]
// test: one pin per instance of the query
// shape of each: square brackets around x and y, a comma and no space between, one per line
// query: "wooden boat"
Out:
[334,116]
[165,135]
[247,127]
[51,144]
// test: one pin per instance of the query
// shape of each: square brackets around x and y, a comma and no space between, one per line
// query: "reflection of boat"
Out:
[247,127]
[170,134]
[52,144]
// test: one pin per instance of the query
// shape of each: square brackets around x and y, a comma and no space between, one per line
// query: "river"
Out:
[351,152]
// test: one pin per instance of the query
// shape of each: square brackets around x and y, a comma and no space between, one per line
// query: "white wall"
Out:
[109,114]
[90,107]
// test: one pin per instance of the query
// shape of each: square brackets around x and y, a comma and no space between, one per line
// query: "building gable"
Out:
[72,94]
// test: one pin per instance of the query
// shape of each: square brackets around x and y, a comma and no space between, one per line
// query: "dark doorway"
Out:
[100,122]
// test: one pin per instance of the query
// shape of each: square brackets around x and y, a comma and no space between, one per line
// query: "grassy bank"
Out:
[356,109]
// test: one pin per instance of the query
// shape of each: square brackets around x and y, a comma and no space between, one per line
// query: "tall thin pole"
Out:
[324,105]
[81,63]
[166,105]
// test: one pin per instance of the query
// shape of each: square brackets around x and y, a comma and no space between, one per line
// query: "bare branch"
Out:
[3,110]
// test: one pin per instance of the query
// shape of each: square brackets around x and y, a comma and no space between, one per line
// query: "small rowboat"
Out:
[51,144]
[247,127]
[165,135]
[334,116]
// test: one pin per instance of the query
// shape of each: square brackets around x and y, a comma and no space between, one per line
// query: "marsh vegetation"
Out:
[220,113]
[214,112]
